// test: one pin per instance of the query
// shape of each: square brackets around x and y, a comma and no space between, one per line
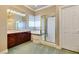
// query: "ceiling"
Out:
[36,7]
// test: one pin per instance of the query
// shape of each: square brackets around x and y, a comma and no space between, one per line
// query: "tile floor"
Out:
[33,48]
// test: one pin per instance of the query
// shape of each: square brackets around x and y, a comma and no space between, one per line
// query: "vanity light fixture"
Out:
[15,12]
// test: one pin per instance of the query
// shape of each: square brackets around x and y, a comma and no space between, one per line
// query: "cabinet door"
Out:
[11,40]
[26,36]
[19,38]
[22,37]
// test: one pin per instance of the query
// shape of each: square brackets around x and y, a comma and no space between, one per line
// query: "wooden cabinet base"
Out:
[18,38]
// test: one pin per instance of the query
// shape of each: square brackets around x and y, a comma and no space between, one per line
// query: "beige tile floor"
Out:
[33,48]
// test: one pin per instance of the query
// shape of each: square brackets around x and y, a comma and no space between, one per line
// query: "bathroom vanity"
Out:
[18,37]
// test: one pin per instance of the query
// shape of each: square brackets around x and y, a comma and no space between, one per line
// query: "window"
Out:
[37,22]
[34,23]
[31,22]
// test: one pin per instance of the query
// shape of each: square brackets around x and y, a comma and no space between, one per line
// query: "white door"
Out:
[70,28]
[51,29]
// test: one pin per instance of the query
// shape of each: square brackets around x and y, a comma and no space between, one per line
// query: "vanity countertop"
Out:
[16,31]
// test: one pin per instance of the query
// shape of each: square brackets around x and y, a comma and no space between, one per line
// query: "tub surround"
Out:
[35,32]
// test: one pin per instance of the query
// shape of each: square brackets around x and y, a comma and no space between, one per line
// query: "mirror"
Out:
[16,20]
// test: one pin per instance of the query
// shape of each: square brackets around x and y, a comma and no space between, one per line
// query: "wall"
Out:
[3,30]
[50,11]
[3,23]
[20,8]
[26,10]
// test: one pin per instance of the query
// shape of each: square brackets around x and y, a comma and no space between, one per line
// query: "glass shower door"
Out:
[50,29]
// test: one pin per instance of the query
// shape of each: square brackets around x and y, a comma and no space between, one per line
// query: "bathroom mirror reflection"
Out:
[16,20]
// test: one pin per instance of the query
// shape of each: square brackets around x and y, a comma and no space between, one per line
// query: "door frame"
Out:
[45,25]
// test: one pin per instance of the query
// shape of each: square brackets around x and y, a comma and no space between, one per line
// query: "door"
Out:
[51,29]
[70,28]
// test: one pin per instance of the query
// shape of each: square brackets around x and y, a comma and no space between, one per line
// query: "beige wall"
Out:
[3,22]
[50,11]
[20,8]
[3,29]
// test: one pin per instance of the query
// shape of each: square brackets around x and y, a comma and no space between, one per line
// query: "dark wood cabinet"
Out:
[11,40]
[18,38]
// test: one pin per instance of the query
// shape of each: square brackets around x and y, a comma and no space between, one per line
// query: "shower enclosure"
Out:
[48,28]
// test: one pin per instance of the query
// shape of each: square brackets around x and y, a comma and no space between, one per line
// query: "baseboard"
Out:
[4,51]
[71,50]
